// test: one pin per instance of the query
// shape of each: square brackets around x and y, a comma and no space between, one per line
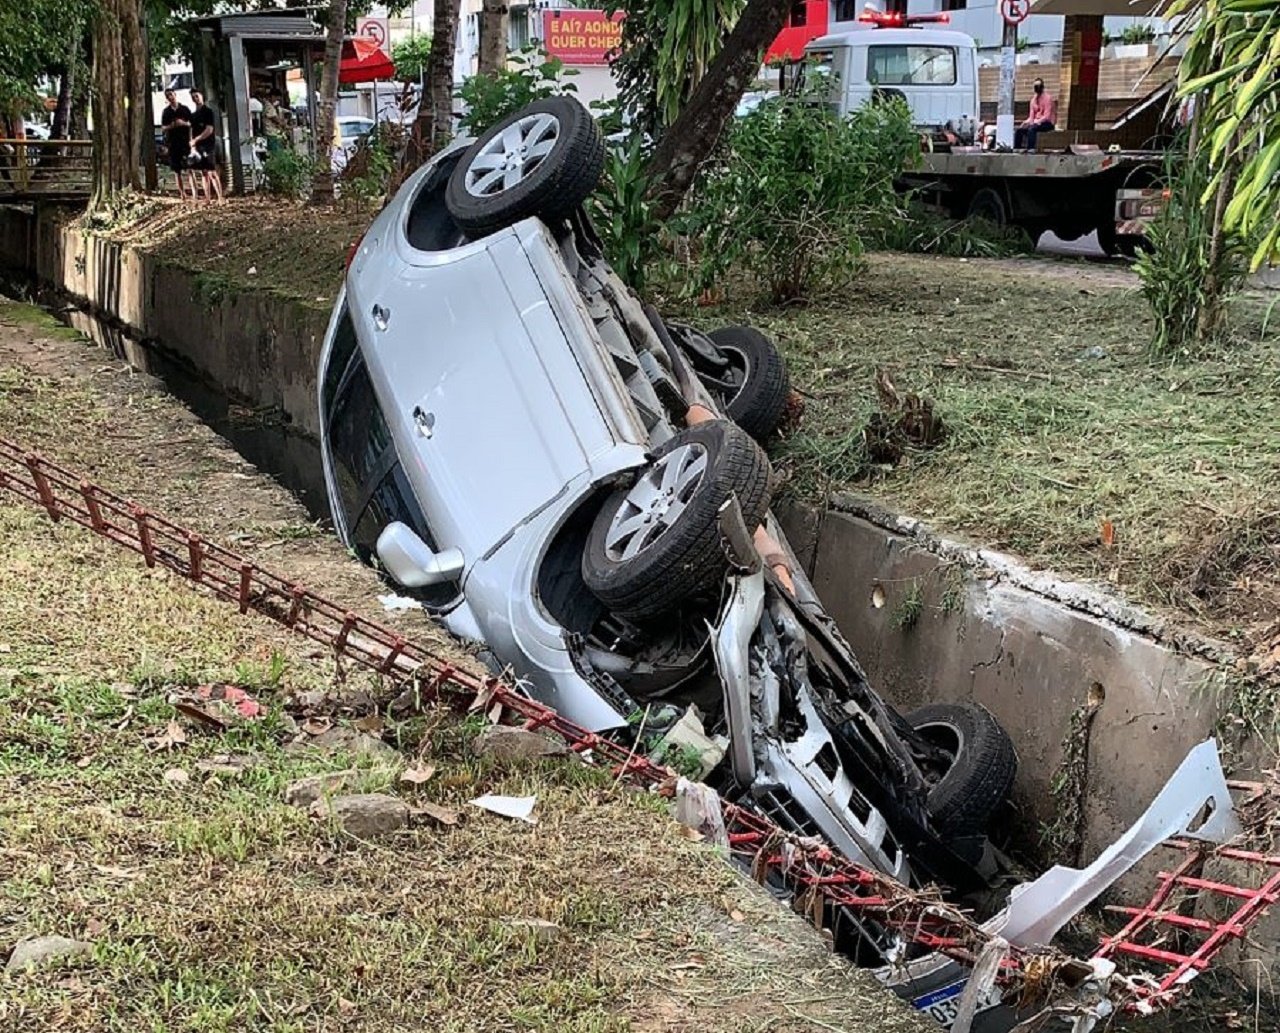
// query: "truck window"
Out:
[911,65]
[813,73]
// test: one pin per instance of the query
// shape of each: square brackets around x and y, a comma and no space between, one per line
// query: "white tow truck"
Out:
[935,70]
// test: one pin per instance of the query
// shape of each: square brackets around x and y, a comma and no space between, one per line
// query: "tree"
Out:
[410,57]
[1230,72]
[494,23]
[322,181]
[121,102]
[435,112]
[691,137]
[667,46]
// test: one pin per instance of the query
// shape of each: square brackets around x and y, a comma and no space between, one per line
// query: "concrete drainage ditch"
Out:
[1102,700]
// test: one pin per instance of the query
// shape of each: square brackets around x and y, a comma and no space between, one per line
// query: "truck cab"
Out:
[934,70]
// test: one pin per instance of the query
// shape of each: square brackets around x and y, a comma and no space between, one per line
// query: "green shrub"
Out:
[288,173]
[622,213]
[797,188]
[367,174]
[1138,33]
[1187,277]
[410,57]
[530,75]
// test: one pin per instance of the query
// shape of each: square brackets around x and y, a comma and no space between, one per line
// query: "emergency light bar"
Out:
[898,20]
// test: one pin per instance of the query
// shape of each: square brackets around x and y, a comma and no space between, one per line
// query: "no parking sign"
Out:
[1014,11]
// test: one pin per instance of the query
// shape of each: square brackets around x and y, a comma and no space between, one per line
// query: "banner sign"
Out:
[581,37]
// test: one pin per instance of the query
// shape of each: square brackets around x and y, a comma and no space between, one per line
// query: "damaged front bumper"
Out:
[1194,804]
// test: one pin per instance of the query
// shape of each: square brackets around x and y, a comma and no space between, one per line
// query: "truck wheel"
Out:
[1107,238]
[657,543]
[754,391]
[964,795]
[989,205]
[544,160]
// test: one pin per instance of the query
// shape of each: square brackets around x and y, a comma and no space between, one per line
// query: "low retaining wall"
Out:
[1102,700]
[260,349]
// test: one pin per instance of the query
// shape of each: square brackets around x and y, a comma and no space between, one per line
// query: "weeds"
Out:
[212,288]
[920,229]
[906,614]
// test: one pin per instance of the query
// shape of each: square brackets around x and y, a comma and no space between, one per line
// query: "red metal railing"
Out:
[811,869]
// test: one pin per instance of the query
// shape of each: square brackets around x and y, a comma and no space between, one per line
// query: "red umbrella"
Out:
[363,60]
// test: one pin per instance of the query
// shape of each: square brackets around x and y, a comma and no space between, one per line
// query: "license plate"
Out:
[942,1005]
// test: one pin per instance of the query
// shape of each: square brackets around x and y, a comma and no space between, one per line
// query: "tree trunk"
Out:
[692,136]
[61,129]
[434,124]
[111,172]
[138,120]
[494,26]
[322,181]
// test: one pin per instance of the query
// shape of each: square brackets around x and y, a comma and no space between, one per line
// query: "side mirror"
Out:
[409,560]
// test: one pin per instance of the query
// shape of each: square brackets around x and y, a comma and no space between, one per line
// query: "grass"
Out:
[1057,422]
[213,906]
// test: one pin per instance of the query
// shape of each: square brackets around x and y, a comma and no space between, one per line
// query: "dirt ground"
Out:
[210,904]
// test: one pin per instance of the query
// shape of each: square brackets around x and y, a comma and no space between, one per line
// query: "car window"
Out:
[359,439]
[344,347]
[911,65]
[372,488]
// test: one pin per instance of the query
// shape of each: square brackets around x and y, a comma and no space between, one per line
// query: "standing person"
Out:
[204,145]
[1041,117]
[176,122]
[274,125]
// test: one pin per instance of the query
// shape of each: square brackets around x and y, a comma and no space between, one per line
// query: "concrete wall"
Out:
[260,349]
[1033,650]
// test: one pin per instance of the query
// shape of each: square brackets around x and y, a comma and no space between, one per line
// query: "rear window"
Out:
[911,65]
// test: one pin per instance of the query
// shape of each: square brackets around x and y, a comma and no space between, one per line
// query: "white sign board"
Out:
[376,29]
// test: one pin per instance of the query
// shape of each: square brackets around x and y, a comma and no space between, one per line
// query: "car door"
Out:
[498,423]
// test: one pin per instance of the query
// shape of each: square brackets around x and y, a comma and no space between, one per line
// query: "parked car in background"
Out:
[351,130]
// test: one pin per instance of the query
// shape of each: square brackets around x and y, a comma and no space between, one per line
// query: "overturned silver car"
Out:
[558,473]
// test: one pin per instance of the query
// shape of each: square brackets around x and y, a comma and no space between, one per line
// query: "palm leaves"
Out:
[667,46]
[1231,71]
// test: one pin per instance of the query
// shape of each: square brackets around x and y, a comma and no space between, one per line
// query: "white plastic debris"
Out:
[688,735]
[981,983]
[518,807]
[393,603]
[698,807]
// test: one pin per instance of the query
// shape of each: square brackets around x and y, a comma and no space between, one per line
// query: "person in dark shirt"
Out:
[204,145]
[176,121]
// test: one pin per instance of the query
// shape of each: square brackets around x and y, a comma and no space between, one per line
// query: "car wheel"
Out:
[544,160]
[657,543]
[754,389]
[975,781]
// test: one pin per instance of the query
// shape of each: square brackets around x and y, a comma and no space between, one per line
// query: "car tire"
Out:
[963,798]
[549,185]
[643,569]
[761,399]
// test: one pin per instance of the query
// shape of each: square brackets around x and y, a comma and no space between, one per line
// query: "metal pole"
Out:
[1008,71]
